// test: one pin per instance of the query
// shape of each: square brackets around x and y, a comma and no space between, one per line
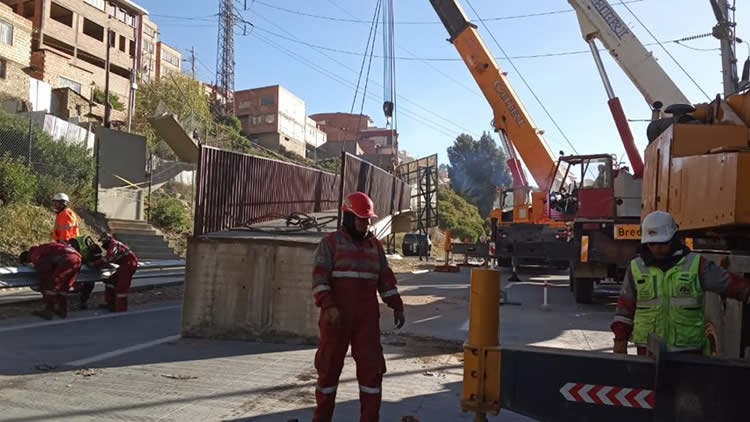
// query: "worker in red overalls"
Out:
[350,266]
[118,284]
[58,265]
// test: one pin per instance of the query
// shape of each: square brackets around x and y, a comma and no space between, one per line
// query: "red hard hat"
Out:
[359,204]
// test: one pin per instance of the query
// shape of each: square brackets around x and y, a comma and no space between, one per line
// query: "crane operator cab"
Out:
[593,186]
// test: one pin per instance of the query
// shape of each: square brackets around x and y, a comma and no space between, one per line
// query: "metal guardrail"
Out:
[26,276]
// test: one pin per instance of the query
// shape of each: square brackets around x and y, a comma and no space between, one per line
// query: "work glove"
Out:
[332,316]
[621,347]
[399,319]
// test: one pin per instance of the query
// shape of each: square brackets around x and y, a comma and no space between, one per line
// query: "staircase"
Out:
[142,238]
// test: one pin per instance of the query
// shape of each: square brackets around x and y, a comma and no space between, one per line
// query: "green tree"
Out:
[458,215]
[114,100]
[177,94]
[477,168]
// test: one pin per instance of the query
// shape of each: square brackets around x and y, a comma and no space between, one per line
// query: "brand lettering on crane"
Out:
[515,113]
[617,26]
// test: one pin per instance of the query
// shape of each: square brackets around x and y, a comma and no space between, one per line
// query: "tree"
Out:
[477,169]
[459,216]
[177,94]
[114,101]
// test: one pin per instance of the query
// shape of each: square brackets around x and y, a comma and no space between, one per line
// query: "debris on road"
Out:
[179,377]
[88,372]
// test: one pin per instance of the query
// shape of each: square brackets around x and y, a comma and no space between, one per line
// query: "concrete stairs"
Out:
[142,238]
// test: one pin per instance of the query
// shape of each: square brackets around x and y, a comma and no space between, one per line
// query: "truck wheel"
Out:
[584,290]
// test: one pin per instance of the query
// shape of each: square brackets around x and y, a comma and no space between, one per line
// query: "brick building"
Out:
[70,43]
[168,59]
[357,134]
[275,118]
[15,53]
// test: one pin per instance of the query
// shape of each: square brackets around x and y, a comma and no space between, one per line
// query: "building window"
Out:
[123,43]
[112,10]
[254,120]
[99,4]
[28,9]
[122,15]
[67,83]
[93,30]
[61,14]
[151,32]
[3,68]
[6,32]
[148,46]
[170,58]
[266,100]
[244,104]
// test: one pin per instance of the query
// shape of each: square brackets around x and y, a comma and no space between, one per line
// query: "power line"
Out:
[340,80]
[459,128]
[665,50]
[354,20]
[528,86]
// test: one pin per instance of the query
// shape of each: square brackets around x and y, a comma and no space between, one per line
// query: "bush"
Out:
[17,183]
[170,214]
[459,216]
[59,166]
[114,100]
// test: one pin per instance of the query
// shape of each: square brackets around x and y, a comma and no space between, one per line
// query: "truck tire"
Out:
[584,290]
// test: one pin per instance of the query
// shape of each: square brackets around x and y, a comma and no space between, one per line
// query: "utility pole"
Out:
[724,31]
[107,107]
[192,61]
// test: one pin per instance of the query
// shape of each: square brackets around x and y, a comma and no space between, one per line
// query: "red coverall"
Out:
[346,275]
[118,284]
[58,265]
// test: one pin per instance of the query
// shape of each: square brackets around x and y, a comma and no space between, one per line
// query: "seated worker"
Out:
[58,265]
[118,284]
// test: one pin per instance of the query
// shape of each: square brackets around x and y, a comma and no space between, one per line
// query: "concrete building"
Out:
[149,58]
[168,59]
[70,43]
[275,118]
[15,53]
[358,135]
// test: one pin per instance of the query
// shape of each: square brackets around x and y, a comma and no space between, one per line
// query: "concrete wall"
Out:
[241,288]
[120,154]
[125,204]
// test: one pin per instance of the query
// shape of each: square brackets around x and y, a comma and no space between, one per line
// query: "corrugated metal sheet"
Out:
[235,189]
[238,189]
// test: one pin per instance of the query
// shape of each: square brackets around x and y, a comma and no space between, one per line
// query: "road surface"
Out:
[134,366]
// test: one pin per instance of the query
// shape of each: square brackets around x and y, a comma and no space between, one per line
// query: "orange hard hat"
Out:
[359,204]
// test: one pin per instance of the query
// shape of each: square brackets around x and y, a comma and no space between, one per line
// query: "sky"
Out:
[438,99]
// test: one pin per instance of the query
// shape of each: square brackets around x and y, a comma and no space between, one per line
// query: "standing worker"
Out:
[350,266]
[118,284]
[663,291]
[66,222]
[58,265]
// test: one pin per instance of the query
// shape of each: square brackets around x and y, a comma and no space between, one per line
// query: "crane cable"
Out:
[665,50]
[528,86]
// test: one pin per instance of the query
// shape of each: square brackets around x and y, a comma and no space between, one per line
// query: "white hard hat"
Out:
[658,227]
[61,197]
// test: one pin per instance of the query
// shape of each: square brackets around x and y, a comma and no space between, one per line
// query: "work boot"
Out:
[108,306]
[86,295]
[46,313]
[62,305]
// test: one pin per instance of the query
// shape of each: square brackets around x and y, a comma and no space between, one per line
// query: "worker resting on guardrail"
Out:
[58,265]
[663,291]
[118,284]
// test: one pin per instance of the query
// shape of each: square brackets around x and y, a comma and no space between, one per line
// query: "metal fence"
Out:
[389,193]
[235,190]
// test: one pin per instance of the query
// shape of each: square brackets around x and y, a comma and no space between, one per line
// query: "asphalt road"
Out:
[134,366]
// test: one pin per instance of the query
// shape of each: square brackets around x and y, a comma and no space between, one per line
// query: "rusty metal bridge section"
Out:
[237,190]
